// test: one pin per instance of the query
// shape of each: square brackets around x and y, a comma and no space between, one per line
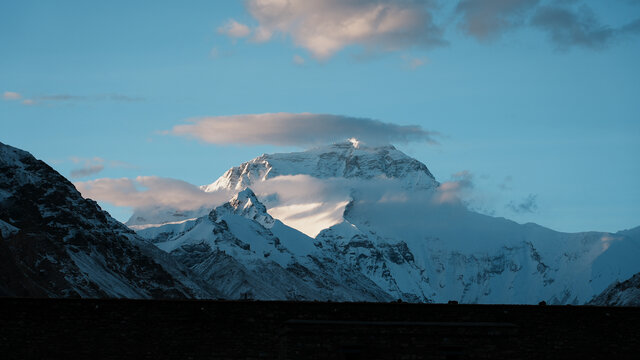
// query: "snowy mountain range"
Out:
[383,214]
[344,222]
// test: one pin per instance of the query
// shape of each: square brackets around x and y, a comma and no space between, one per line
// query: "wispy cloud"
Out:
[413,63]
[120,97]
[527,205]
[149,192]
[298,129]
[324,27]
[304,202]
[506,183]
[93,166]
[10,95]
[453,190]
[488,19]
[51,98]
[61,97]
[234,29]
[568,23]
[568,27]
[88,167]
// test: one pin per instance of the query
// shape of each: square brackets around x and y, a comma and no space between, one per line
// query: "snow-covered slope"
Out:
[309,190]
[349,160]
[55,243]
[241,250]
[443,252]
[406,234]
[382,214]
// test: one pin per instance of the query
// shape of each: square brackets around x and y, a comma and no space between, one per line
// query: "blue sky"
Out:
[539,102]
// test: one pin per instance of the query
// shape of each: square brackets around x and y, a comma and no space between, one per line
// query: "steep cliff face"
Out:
[56,243]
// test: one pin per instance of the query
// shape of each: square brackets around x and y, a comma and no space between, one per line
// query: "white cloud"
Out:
[324,27]
[234,29]
[298,129]
[10,95]
[150,192]
[305,203]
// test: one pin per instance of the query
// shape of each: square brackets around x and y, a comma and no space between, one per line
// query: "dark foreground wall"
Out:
[115,329]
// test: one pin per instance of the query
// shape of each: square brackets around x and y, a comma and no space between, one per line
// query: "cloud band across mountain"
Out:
[284,129]
[150,192]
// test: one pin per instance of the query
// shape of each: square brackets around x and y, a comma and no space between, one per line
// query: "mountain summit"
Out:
[379,213]
[350,160]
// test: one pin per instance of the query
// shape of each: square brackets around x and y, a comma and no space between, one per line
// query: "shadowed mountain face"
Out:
[55,243]
[622,293]
[626,293]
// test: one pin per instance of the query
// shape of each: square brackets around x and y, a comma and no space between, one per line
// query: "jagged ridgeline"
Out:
[345,222]
[55,243]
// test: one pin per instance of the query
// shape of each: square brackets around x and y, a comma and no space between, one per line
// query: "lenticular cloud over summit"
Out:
[298,129]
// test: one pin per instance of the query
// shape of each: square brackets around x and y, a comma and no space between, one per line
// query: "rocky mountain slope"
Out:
[55,243]
[625,293]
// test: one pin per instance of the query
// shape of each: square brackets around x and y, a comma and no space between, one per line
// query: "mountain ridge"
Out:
[418,247]
[62,245]
[390,242]
[350,159]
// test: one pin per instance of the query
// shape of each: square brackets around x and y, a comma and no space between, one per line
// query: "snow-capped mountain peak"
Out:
[351,159]
[246,204]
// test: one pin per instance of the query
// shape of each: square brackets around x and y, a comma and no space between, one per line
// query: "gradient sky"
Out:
[538,101]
